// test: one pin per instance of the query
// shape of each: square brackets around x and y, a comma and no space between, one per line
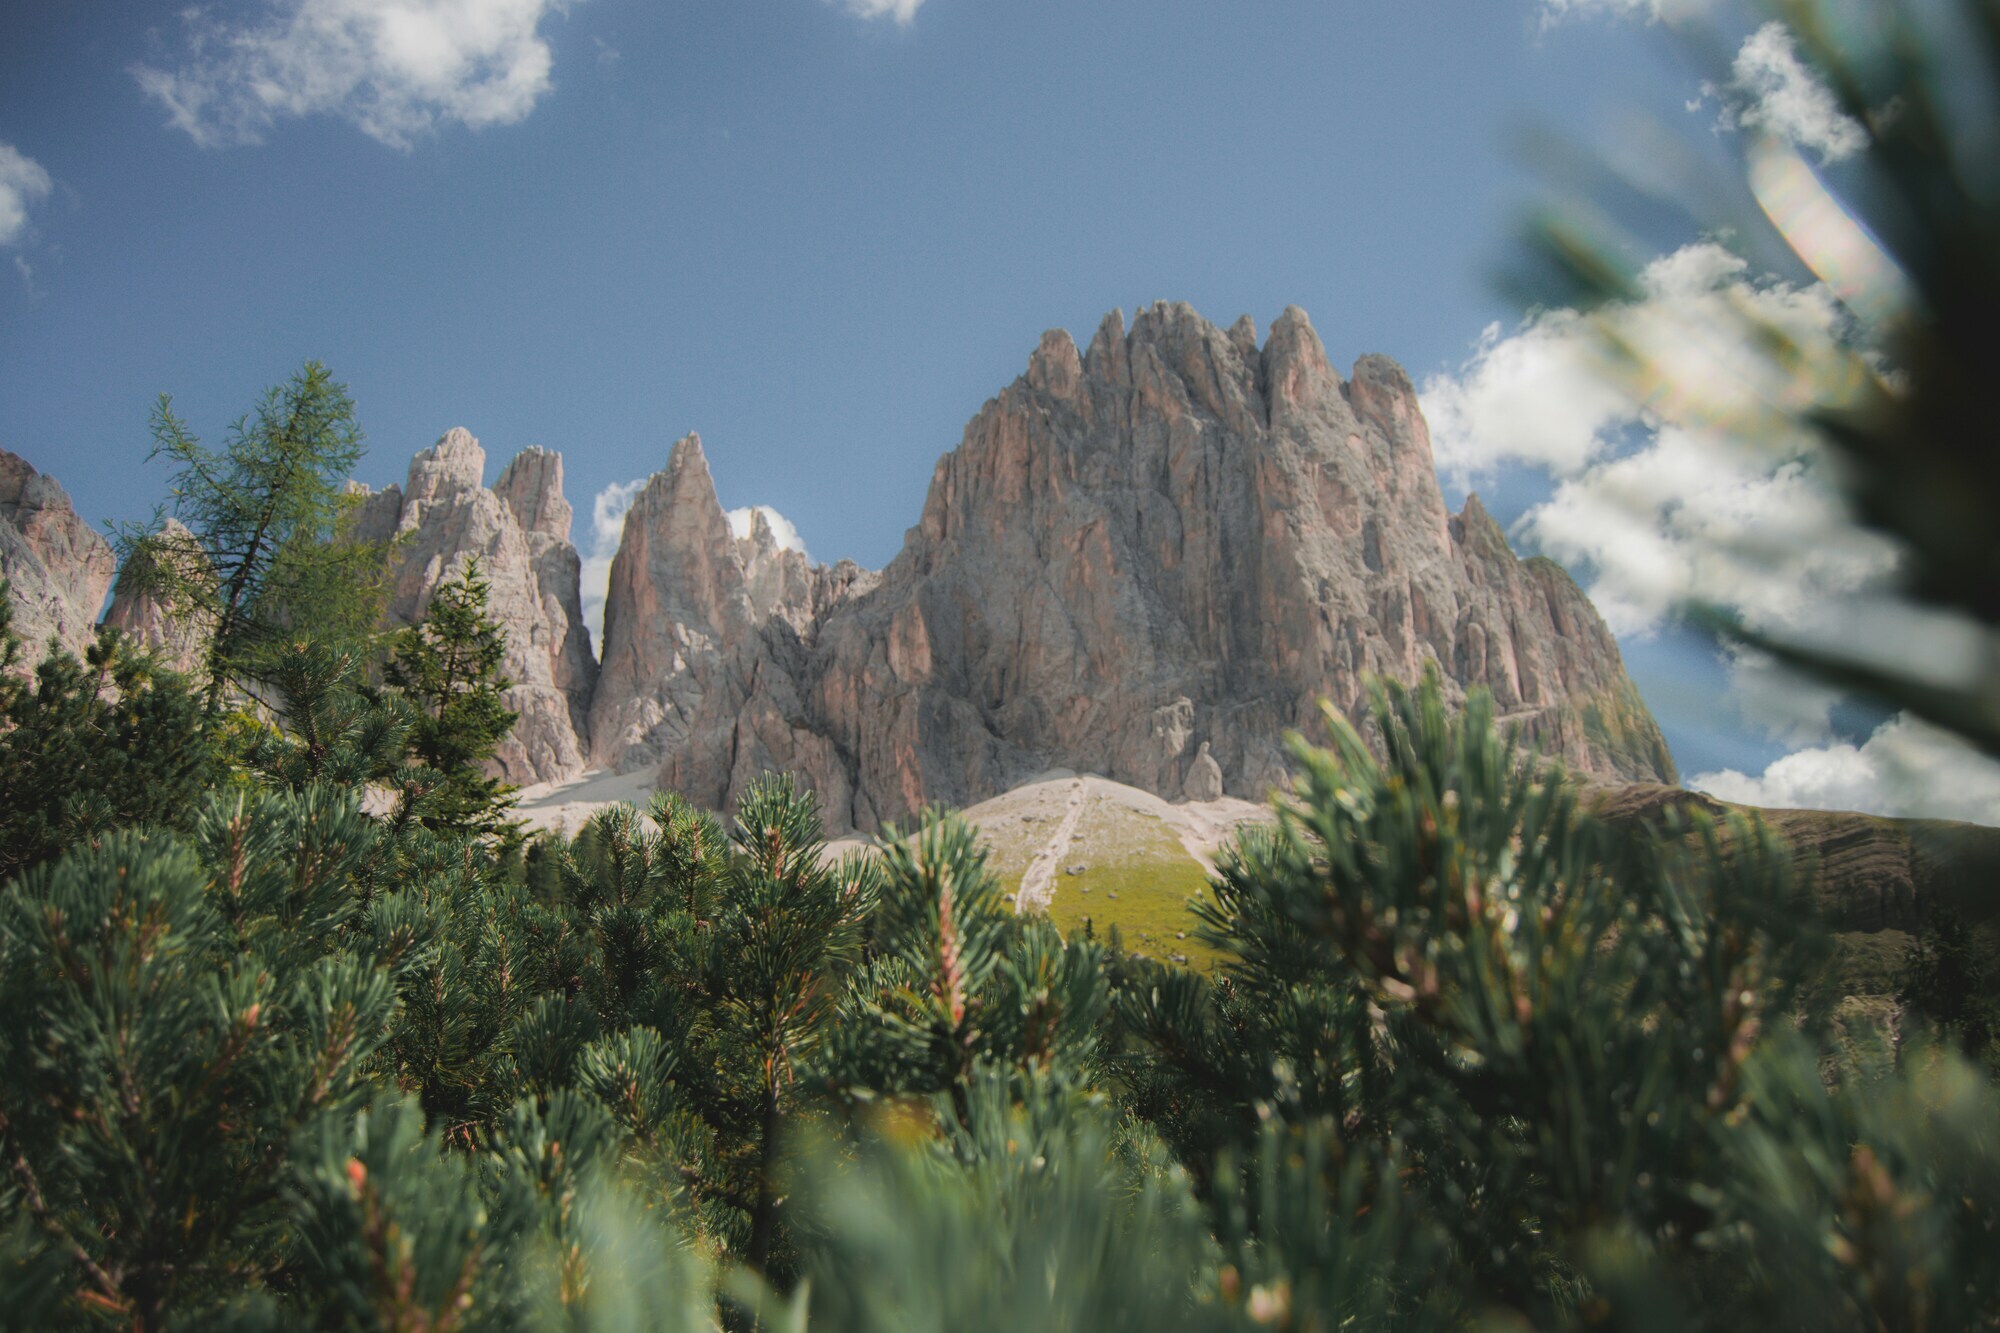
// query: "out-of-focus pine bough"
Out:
[1905,234]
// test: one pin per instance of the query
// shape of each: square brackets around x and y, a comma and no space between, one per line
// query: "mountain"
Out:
[1149,560]
[1176,538]
[57,568]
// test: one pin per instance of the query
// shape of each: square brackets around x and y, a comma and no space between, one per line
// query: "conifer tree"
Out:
[114,740]
[325,724]
[260,548]
[160,1054]
[448,666]
[1948,982]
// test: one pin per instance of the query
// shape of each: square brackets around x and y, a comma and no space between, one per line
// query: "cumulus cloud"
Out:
[607,526]
[1693,482]
[1660,513]
[1547,393]
[781,527]
[903,12]
[395,68]
[23,184]
[1536,395]
[1689,516]
[1905,768]
[1772,90]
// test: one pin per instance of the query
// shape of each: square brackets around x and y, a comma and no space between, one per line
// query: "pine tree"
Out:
[325,724]
[160,1054]
[1948,982]
[448,666]
[112,741]
[1469,1056]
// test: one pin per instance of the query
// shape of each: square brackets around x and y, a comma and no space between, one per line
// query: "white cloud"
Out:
[1693,481]
[607,527]
[903,12]
[781,527]
[1548,393]
[1535,396]
[1906,768]
[1771,89]
[1668,11]
[1689,510]
[1691,516]
[395,68]
[23,184]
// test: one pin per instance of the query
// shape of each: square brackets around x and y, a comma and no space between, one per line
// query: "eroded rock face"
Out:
[1178,538]
[519,532]
[707,640]
[1204,778]
[1174,541]
[58,568]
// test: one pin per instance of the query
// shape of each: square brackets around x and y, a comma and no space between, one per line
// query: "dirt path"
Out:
[1038,883]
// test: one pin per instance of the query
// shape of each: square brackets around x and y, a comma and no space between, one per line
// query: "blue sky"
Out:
[820,232]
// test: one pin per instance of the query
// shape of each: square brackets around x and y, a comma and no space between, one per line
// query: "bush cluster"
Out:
[1470,1059]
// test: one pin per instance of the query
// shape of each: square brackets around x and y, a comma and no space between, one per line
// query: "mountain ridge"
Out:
[1176,541]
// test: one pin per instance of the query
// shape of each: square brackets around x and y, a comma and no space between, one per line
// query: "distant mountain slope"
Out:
[1872,873]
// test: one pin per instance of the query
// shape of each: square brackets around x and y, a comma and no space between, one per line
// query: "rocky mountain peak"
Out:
[1106,359]
[1055,368]
[56,565]
[677,557]
[1296,372]
[1148,561]
[454,464]
[179,638]
[706,639]
[532,487]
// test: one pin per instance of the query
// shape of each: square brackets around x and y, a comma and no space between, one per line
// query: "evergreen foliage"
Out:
[300,1036]
[448,667]
[1470,1057]
[1947,982]
[89,746]
[323,723]
[262,548]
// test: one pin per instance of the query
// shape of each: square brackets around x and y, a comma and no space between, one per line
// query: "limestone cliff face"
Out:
[519,532]
[1172,540]
[707,640]
[1178,537]
[57,567]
